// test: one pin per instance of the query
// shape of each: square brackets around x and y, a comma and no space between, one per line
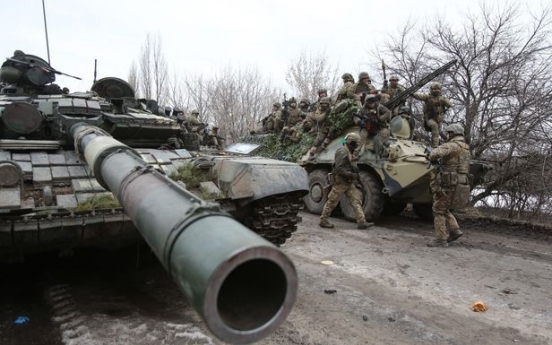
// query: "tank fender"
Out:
[254,179]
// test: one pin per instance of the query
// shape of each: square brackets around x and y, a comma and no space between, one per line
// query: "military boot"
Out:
[454,235]
[438,243]
[364,225]
[325,224]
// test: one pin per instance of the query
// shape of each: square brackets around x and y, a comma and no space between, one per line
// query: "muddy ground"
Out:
[384,287]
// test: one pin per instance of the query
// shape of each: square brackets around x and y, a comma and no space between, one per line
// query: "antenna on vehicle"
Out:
[95,70]
[46,30]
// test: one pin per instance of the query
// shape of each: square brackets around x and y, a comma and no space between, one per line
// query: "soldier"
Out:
[347,91]
[435,107]
[391,91]
[322,127]
[65,91]
[344,175]
[179,115]
[214,139]
[304,106]
[193,125]
[364,86]
[294,116]
[373,120]
[450,187]
[269,121]
[321,94]
[168,111]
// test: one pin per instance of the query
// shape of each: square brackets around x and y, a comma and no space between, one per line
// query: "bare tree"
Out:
[500,88]
[133,77]
[238,100]
[153,78]
[311,72]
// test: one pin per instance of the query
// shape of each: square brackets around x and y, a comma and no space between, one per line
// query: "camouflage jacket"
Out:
[434,106]
[347,91]
[344,167]
[294,116]
[362,88]
[455,163]
[392,91]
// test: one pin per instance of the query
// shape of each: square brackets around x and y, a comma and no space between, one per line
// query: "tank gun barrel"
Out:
[243,286]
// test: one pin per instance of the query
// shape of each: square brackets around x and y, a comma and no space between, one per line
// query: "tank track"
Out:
[275,217]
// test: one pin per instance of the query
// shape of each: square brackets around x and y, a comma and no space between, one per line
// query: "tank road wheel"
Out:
[315,200]
[424,211]
[372,199]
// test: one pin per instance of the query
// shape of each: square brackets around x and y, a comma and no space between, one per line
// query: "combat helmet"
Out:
[322,91]
[363,75]
[436,86]
[347,76]
[352,138]
[455,129]
[325,100]
[305,100]
[195,112]
[370,97]
[394,77]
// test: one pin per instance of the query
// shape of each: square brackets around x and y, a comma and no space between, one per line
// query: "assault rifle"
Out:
[285,112]
[403,95]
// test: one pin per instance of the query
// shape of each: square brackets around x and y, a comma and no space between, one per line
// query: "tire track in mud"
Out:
[101,299]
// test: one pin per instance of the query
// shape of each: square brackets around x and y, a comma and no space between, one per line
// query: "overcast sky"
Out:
[206,36]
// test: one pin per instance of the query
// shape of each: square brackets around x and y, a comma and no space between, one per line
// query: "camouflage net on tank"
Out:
[344,119]
[287,150]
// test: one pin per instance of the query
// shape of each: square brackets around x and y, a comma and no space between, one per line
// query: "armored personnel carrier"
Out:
[50,198]
[390,180]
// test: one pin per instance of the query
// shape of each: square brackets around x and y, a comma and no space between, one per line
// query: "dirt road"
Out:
[383,286]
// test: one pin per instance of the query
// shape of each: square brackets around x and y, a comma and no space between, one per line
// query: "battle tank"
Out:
[60,151]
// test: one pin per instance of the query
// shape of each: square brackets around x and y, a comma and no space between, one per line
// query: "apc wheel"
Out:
[315,200]
[372,199]
[424,211]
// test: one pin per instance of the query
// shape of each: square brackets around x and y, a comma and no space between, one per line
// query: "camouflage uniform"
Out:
[391,91]
[373,120]
[435,107]
[450,186]
[294,117]
[322,126]
[195,126]
[345,173]
[269,122]
[214,139]
[364,86]
[347,91]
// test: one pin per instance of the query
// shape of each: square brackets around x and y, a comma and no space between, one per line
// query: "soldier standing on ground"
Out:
[450,187]
[435,106]
[344,175]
